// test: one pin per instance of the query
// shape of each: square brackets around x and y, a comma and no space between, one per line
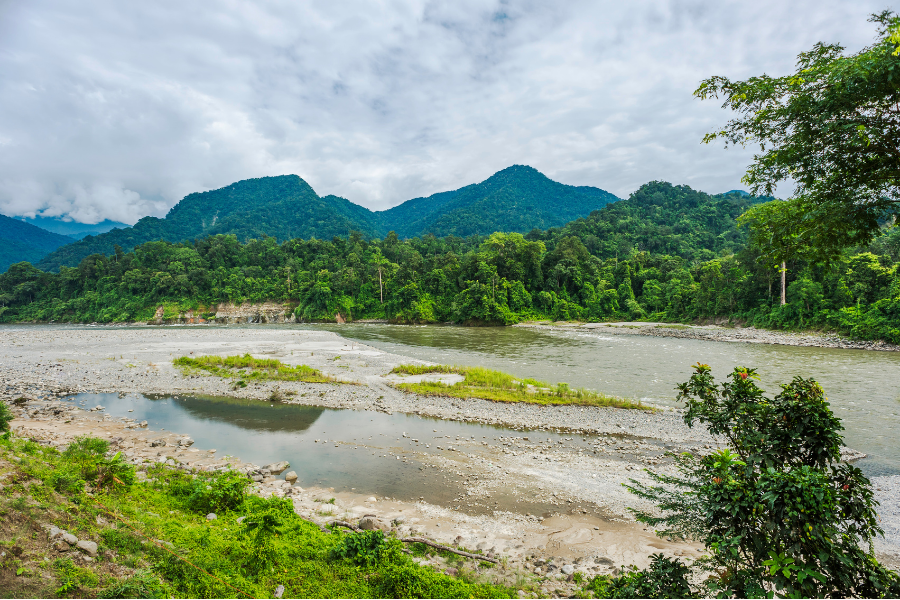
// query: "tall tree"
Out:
[833,129]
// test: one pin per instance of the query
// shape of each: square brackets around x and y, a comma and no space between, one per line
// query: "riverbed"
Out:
[474,458]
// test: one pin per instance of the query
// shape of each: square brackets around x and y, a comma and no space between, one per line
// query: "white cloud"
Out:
[118,109]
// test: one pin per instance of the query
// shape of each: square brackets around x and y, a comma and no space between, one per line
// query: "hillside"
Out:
[23,242]
[516,199]
[662,218]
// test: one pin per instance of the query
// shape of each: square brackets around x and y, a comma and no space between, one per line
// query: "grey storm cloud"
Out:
[116,110]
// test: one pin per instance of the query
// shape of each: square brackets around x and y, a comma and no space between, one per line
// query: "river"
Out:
[863,387]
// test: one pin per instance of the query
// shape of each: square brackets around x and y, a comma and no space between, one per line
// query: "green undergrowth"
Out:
[155,540]
[247,367]
[487,384]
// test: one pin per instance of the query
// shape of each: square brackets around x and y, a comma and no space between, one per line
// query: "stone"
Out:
[211,517]
[452,572]
[371,523]
[87,547]
[68,538]
[291,476]
[371,499]
[521,593]
[568,569]
[240,520]
[257,478]
[278,467]
[156,443]
[61,546]
[185,441]
[279,591]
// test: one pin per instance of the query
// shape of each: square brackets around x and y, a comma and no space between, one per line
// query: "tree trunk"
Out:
[380,286]
[783,279]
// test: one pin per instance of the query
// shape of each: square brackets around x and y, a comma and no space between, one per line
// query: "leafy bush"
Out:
[85,453]
[143,584]
[664,578]
[218,493]
[368,548]
[779,510]
[5,417]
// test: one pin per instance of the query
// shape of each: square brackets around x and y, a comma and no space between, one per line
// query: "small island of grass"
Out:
[247,367]
[487,384]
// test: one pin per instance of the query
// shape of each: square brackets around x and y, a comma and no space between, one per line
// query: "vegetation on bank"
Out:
[487,384]
[668,253]
[249,368]
[155,540]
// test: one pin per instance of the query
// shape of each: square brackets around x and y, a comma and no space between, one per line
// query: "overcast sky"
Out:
[112,109]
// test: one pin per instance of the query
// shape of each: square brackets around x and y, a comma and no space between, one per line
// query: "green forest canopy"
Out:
[668,253]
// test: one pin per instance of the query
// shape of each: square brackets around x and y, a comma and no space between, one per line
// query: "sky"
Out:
[116,110]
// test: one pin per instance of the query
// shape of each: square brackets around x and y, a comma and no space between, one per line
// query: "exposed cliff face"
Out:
[228,312]
[265,312]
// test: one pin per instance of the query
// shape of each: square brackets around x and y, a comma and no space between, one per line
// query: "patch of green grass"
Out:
[487,384]
[158,529]
[672,327]
[247,367]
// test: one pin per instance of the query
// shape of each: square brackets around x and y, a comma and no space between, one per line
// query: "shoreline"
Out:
[717,333]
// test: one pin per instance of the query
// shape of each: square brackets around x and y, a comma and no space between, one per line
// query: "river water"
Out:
[863,387]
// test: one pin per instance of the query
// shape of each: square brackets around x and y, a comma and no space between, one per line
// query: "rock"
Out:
[371,499]
[87,547]
[61,546]
[211,517]
[257,478]
[53,531]
[185,441]
[568,569]
[279,591]
[291,476]
[452,572]
[156,443]
[240,520]
[278,467]
[371,523]
[269,478]
[68,538]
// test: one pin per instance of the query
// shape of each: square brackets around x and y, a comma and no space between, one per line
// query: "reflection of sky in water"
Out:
[863,387]
[263,432]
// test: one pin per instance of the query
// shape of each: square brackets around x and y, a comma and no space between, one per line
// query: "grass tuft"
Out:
[247,367]
[493,385]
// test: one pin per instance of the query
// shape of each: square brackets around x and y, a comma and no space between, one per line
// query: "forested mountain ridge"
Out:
[662,218]
[286,207]
[22,241]
[518,198]
[704,269]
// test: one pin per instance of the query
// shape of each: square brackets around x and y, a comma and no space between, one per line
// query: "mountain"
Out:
[73,229]
[24,242]
[518,198]
[515,199]
[662,218]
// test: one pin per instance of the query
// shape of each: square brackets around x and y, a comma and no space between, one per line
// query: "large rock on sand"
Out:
[278,467]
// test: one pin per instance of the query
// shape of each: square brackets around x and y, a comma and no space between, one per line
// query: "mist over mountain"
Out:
[516,199]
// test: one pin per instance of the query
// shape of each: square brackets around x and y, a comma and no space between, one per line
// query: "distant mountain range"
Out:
[21,241]
[518,198]
[73,229]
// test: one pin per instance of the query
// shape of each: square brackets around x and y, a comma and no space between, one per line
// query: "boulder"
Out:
[68,538]
[371,523]
[291,476]
[278,467]
[87,547]
[568,569]
[185,441]
[61,546]
[211,517]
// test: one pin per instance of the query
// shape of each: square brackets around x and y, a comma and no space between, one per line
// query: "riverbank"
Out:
[716,333]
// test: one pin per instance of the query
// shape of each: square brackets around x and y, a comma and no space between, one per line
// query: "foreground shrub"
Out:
[664,578]
[217,493]
[778,510]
